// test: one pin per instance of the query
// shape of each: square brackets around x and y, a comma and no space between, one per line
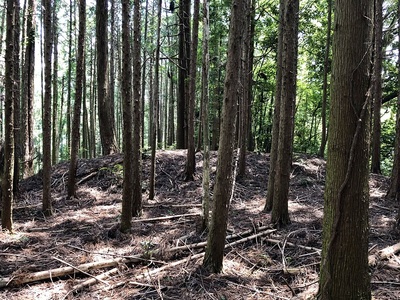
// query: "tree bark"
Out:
[223,186]
[344,266]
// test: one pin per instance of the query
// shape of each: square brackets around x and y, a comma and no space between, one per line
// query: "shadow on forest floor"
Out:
[283,264]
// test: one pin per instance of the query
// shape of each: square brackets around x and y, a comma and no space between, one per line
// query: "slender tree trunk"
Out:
[17,96]
[55,141]
[325,82]
[143,92]
[47,206]
[205,118]
[280,210]
[137,113]
[223,186]
[80,70]
[28,91]
[344,266]
[190,159]
[377,90]
[394,189]
[156,96]
[126,89]
[9,150]
[171,110]
[244,101]
[277,112]
[183,72]
[70,59]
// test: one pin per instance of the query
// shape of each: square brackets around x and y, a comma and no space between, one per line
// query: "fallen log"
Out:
[58,272]
[383,254]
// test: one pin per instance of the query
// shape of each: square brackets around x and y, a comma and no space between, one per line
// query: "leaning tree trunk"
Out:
[344,265]
[223,185]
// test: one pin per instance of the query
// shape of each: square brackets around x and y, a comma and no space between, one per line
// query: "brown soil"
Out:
[85,230]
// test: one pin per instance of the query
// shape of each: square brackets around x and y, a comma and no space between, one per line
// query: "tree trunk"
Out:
[223,185]
[183,72]
[156,96]
[47,207]
[144,69]
[344,266]
[55,141]
[137,119]
[325,82]
[70,59]
[28,91]
[126,89]
[9,143]
[105,107]
[280,211]
[205,118]
[244,101]
[277,110]
[377,90]
[80,70]
[190,159]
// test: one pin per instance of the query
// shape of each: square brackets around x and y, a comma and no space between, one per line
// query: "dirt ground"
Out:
[280,264]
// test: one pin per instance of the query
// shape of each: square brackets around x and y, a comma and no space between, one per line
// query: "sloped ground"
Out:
[84,230]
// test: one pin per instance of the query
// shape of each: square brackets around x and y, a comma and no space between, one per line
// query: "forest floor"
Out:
[275,264]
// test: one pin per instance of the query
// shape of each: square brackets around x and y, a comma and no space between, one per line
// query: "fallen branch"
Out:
[228,237]
[294,245]
[95,279]
[383,254]
[78,269]
[199,255]
[58,272]
[165,218]
[87,177]
[170,205]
